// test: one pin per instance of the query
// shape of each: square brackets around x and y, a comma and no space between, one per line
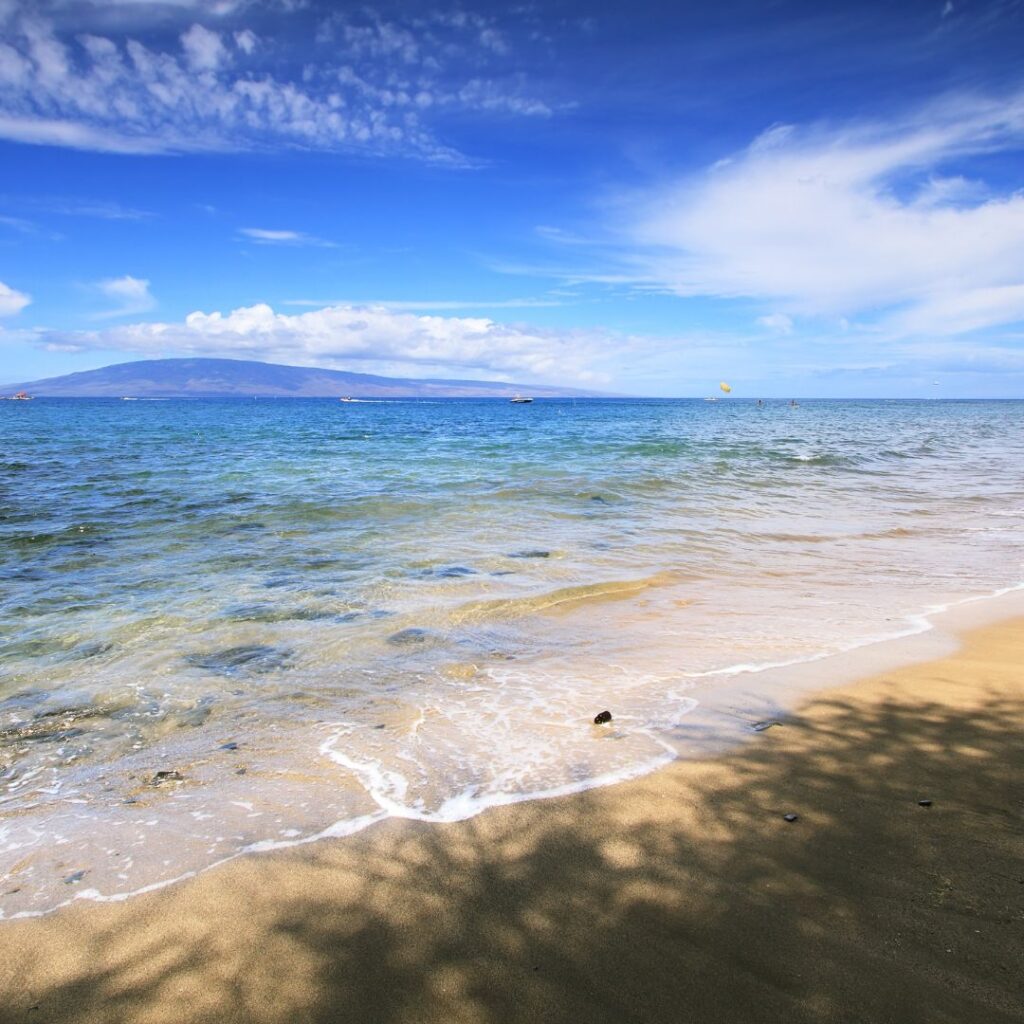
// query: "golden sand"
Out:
[682,897]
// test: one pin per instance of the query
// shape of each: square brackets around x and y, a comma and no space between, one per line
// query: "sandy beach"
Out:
[684,896]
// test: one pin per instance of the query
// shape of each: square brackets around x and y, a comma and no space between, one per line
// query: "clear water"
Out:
[319,613]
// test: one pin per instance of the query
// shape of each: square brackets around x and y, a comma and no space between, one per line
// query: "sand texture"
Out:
[683,897]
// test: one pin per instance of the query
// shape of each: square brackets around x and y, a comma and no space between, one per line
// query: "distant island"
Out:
[240,378]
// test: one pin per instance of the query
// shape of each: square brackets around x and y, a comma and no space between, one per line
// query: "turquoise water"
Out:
[322,613]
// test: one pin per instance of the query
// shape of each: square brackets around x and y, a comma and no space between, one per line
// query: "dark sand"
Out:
[683,897]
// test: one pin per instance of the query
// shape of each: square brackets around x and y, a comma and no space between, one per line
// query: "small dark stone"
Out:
[168,776]
[380,726]
[530,553]
[75,876]
[791,817]
[228,746]
[241,771]
[602,717]
[924,803]
[130,800]
[761,726]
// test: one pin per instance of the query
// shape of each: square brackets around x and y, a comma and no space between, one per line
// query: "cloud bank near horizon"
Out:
[336,336]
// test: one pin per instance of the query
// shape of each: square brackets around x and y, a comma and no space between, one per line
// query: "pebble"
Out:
[761,726]
[924,803]
[602,718]
[168,776]
[228,746]
[791,817]
[74,877]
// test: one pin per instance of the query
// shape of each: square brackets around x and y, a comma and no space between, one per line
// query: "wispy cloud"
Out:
[12,301]
[28,228]
[267,236]
[131,294]
[339,335]
[432,304]
[862,221]
[371,88]
[65,206]
[777,322]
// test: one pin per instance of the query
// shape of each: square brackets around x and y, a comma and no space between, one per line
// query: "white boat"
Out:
[520,399]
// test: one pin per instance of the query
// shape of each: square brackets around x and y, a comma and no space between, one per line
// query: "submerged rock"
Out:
[761,726]
[602,717]
[75,876]
[248,658]
[448,572]
[410,637]
[924,803]
[173,775]
[530,553]
[791,817]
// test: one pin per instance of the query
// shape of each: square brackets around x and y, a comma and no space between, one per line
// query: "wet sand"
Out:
[681,897]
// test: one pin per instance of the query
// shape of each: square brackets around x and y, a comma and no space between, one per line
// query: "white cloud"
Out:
[204,50]
[267,236]
[11,301]
[859,221]
[340,335]
[131,294]
[204,90]
[246,40]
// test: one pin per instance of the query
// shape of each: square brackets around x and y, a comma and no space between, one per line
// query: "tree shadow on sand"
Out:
[594,909]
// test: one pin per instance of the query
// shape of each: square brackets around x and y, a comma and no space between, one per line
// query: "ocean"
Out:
[230,626]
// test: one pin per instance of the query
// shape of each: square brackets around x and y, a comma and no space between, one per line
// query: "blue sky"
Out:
[800,198]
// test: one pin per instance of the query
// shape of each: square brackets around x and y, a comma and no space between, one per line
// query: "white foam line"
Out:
[919,623]
[389,809]
[468,804]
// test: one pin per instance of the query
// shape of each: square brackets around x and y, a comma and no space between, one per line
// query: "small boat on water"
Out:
[348,398]
[520,399]
[21,396]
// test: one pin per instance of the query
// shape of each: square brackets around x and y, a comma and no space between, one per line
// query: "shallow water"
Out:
[319,613]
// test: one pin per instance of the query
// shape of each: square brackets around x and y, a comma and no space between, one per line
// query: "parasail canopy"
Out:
[725,387]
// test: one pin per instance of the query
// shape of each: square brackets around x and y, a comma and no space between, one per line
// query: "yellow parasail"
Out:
[725,387]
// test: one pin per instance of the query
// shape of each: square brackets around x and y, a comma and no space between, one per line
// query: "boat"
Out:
[520,399]
[22,396]
[348,398]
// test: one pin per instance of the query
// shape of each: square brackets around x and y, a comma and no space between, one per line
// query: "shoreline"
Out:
[683,894]
[733,701]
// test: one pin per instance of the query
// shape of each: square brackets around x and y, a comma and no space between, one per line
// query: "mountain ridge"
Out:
[243,378]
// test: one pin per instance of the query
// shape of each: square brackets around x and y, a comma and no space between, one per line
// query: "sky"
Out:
[803,199]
